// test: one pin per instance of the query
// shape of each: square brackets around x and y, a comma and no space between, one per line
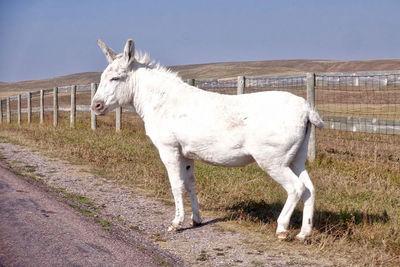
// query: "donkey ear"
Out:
[110,54]
[129,51]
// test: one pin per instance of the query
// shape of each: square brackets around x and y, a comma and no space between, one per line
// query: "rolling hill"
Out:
[217,70]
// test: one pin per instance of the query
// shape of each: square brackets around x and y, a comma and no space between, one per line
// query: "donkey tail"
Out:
[315,119]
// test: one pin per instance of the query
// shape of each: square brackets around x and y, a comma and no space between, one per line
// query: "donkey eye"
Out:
[114,79]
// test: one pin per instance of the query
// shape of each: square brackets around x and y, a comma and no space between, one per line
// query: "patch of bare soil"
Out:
[216,243]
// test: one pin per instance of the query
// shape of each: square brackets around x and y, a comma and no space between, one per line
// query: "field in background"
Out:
[357,206]
[215,70]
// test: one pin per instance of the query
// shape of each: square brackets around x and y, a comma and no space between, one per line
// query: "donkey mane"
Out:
[143,58]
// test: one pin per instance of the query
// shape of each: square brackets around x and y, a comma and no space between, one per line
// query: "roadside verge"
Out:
[114,206]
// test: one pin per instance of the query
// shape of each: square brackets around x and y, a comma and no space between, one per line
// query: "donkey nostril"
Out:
[98,106]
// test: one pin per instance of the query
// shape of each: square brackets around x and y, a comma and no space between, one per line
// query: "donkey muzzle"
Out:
[99,107]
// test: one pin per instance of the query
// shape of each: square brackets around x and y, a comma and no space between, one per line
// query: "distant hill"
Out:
[229,69]
[7,89]
[217,70]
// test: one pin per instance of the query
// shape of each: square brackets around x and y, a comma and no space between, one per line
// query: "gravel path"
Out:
[39,230]
[208,245]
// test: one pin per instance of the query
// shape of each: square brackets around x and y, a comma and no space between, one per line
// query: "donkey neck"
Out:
[152,87]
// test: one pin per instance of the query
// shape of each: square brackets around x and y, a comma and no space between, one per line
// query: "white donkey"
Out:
[187,124]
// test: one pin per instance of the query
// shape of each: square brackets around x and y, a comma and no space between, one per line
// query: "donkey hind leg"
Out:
[190,186]
[173,163]
[294,188]
[308,197]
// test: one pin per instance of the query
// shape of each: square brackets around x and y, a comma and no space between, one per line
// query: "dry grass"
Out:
[358,203]
[383,111]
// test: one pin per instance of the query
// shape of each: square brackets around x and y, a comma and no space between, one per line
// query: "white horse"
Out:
[187,124]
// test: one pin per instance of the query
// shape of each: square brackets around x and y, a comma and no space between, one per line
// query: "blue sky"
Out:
[47,38]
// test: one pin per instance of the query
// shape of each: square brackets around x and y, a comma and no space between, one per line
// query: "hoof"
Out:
[302,237]
[173,228]
[194,224]
[283,236]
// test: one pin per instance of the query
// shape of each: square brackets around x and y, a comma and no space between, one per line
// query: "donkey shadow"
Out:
[337,223]
[333,223]
[204,223]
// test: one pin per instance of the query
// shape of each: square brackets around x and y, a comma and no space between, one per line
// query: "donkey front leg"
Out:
[173,163]
[190,185]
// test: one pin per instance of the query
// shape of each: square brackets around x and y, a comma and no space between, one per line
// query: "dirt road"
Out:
[36,229]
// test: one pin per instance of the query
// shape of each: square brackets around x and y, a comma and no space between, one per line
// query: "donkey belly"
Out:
[217,155]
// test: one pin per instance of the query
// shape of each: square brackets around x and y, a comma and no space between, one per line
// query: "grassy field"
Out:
[357,212]
[388,111]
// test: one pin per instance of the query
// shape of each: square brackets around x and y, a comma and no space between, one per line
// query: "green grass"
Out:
[29,168]
[357,209]
[83,200]
[203,256]
[119,219]
[136,228]
[163,262]
[86,204]
[105,224]
[83,210]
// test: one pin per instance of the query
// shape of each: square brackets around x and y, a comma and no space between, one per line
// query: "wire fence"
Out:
[361,110]
[223,86]
[364,109]
[295,84]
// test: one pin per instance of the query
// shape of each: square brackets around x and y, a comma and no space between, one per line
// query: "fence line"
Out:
[55,106]
[8,111]
[331,93]
[29,107]
[1,111]
[93,123]
[73,107]
[41,106]
[310,81]
[19,109]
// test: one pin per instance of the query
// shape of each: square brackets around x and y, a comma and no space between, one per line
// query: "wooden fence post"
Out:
[73,107]
[191,82]
[29,106]
[41,106]
[93,89]
[311,100]
[240,85]
[8,110]
[19,109]
[55,106]
[1,111]
[118,119]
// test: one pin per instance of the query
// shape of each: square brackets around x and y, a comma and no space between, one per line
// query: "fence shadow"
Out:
[337,223]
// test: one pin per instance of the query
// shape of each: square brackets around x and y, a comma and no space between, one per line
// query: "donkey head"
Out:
[114,89]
